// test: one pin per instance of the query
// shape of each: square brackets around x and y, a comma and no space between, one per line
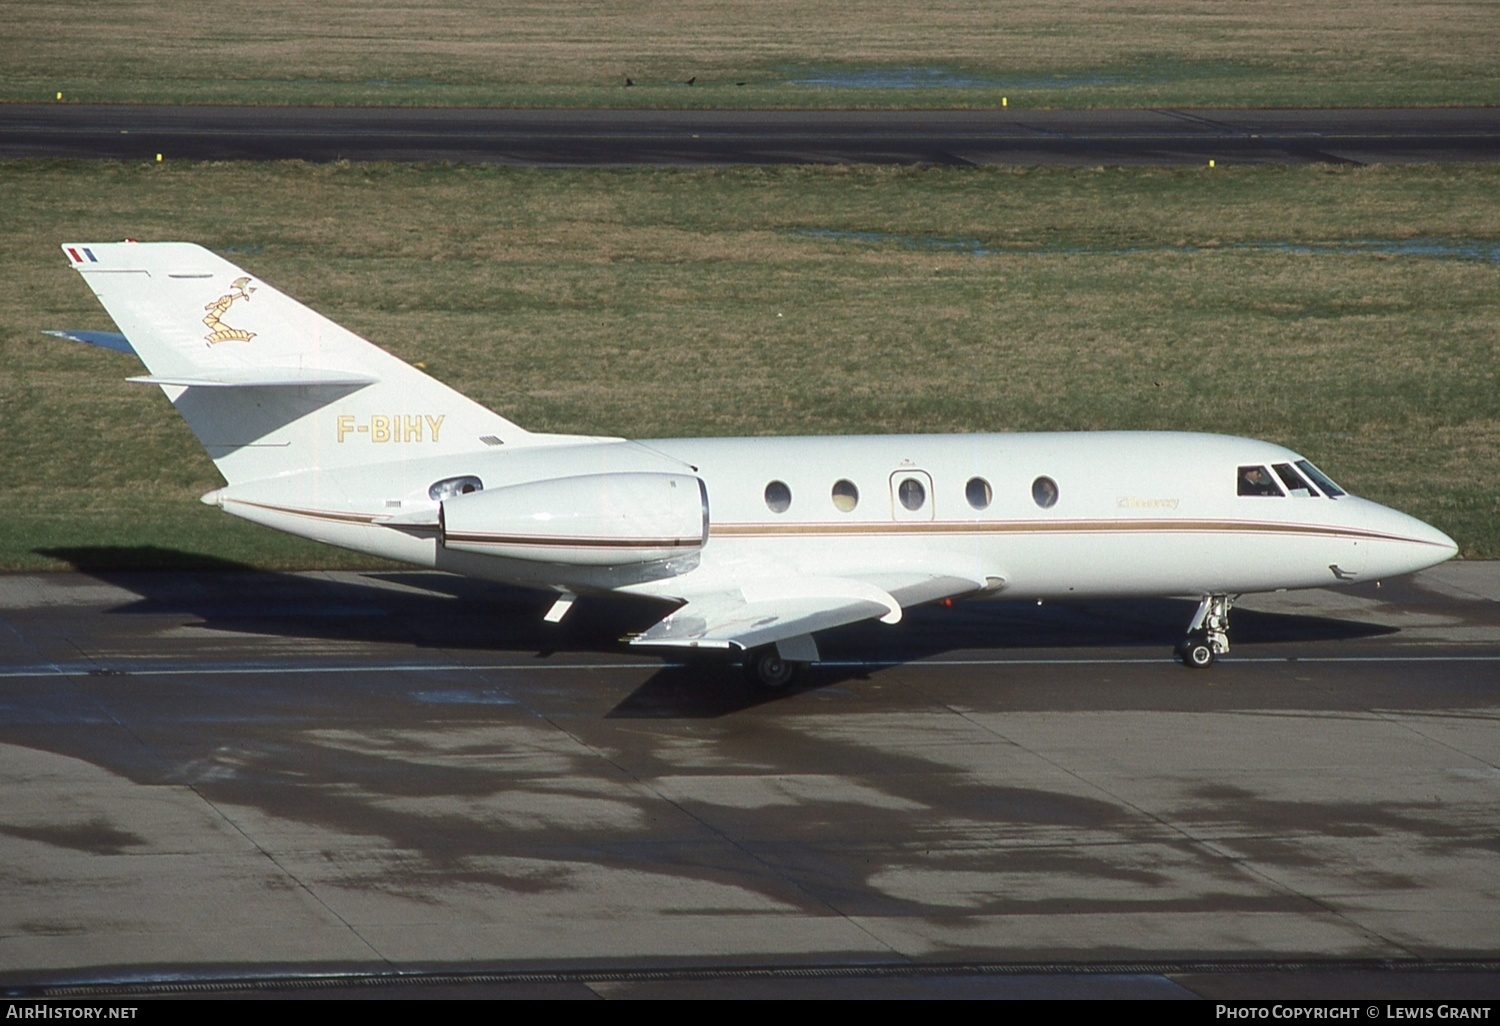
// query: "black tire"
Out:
[765,669]
[1197,654]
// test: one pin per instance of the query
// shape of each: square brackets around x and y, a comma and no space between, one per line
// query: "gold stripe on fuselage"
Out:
[899,529]
[564,542]
[969,527]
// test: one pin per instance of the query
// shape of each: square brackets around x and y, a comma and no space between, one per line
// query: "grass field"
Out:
[771,53]
[1353,314]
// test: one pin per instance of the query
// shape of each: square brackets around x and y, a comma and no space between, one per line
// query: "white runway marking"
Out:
[210,670]
[1234,660]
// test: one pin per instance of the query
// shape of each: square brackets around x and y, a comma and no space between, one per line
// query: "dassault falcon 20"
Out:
[761,542]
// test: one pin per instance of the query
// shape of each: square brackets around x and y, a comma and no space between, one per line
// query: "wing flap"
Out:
[727,621]
[768,610]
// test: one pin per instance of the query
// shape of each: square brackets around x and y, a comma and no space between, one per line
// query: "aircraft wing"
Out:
[765,611]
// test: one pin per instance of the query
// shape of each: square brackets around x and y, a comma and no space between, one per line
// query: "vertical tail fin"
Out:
[268,385]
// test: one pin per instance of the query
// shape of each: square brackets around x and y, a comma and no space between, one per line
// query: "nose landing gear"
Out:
[1208,635]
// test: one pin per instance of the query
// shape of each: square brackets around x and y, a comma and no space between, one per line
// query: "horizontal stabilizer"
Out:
[261,377]
[103,339]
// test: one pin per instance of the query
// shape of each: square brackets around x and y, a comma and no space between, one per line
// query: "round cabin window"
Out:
[911,493]
[778,497]
[978,492]
[1044,491]
[845,496]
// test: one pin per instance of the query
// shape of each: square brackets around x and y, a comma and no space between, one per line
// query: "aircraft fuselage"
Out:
[1130,513]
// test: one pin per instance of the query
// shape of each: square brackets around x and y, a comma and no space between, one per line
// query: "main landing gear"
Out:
[1208,635]
[765,668]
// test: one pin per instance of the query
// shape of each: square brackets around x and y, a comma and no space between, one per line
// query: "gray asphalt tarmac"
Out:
[587,138]
[238,779]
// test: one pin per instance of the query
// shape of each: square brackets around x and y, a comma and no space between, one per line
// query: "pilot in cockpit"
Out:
[1256,481]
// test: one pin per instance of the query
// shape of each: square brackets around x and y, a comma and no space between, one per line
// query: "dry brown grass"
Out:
[472,51]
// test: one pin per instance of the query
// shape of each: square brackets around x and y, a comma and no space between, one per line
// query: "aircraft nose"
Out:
[1432,536]
[1405,544]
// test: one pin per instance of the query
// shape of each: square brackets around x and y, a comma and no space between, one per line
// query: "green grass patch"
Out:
[772,53]
[1352,314]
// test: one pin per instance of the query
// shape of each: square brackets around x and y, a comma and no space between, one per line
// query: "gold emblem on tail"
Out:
[218,331]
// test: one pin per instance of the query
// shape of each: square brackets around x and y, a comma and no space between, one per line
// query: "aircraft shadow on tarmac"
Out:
[432,610]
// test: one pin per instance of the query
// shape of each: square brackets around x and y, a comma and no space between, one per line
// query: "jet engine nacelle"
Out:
[592,520]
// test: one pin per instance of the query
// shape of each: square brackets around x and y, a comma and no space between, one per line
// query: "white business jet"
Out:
[761,542]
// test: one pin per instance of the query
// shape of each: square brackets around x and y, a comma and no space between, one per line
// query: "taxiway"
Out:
[684,138]
[247,777]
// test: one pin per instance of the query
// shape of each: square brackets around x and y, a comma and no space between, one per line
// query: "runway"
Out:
[409,784]
[691,138]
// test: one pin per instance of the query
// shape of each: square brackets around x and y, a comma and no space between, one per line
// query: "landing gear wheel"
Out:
[1197,653]
[1208,635]
[765,668]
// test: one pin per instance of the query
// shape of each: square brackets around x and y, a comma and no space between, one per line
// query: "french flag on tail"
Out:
[87,257]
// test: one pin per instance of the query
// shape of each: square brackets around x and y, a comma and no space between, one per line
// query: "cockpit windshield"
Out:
[1302,481]
[1258,481]
[1293,480]
[1320,479]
